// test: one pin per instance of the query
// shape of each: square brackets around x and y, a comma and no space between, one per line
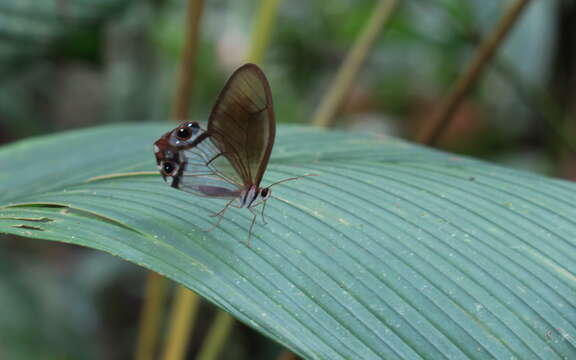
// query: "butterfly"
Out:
[229,158]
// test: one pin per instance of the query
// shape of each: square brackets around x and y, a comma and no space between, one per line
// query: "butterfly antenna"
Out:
[292,178]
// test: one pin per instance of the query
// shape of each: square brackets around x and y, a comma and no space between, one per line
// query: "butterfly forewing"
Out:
[242,126]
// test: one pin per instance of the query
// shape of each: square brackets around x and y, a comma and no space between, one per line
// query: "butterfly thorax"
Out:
[253,196]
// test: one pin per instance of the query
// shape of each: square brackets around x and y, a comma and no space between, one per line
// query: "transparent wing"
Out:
[242,125]
[202,174]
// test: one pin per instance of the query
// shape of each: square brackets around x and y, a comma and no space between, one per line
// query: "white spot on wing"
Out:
[156,148]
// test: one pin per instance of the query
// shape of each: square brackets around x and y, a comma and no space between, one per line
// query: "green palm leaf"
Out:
[392,251]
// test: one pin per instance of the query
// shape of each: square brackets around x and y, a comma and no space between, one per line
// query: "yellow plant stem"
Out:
[262,29]
[151,316]
[217,335]
[182,318]
[349,69]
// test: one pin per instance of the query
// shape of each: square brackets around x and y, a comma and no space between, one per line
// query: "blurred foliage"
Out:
[59,302]
[73,63]
[63,28]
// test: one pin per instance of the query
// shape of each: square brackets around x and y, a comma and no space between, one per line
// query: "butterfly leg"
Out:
[263,203]
[251,226]
[221,212]
[263,218]
[215,225]
[220,215]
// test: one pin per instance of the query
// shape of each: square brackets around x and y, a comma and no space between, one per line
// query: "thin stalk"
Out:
[157,285]
[188,61]
[185,302]
[440,119]
[349,69]
[262,29]
[217,335]
[151,316]
[183,314]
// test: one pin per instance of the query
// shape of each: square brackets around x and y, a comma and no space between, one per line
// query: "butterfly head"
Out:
[265,193]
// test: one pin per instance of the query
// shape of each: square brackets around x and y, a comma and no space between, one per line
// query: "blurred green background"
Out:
[68,64]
